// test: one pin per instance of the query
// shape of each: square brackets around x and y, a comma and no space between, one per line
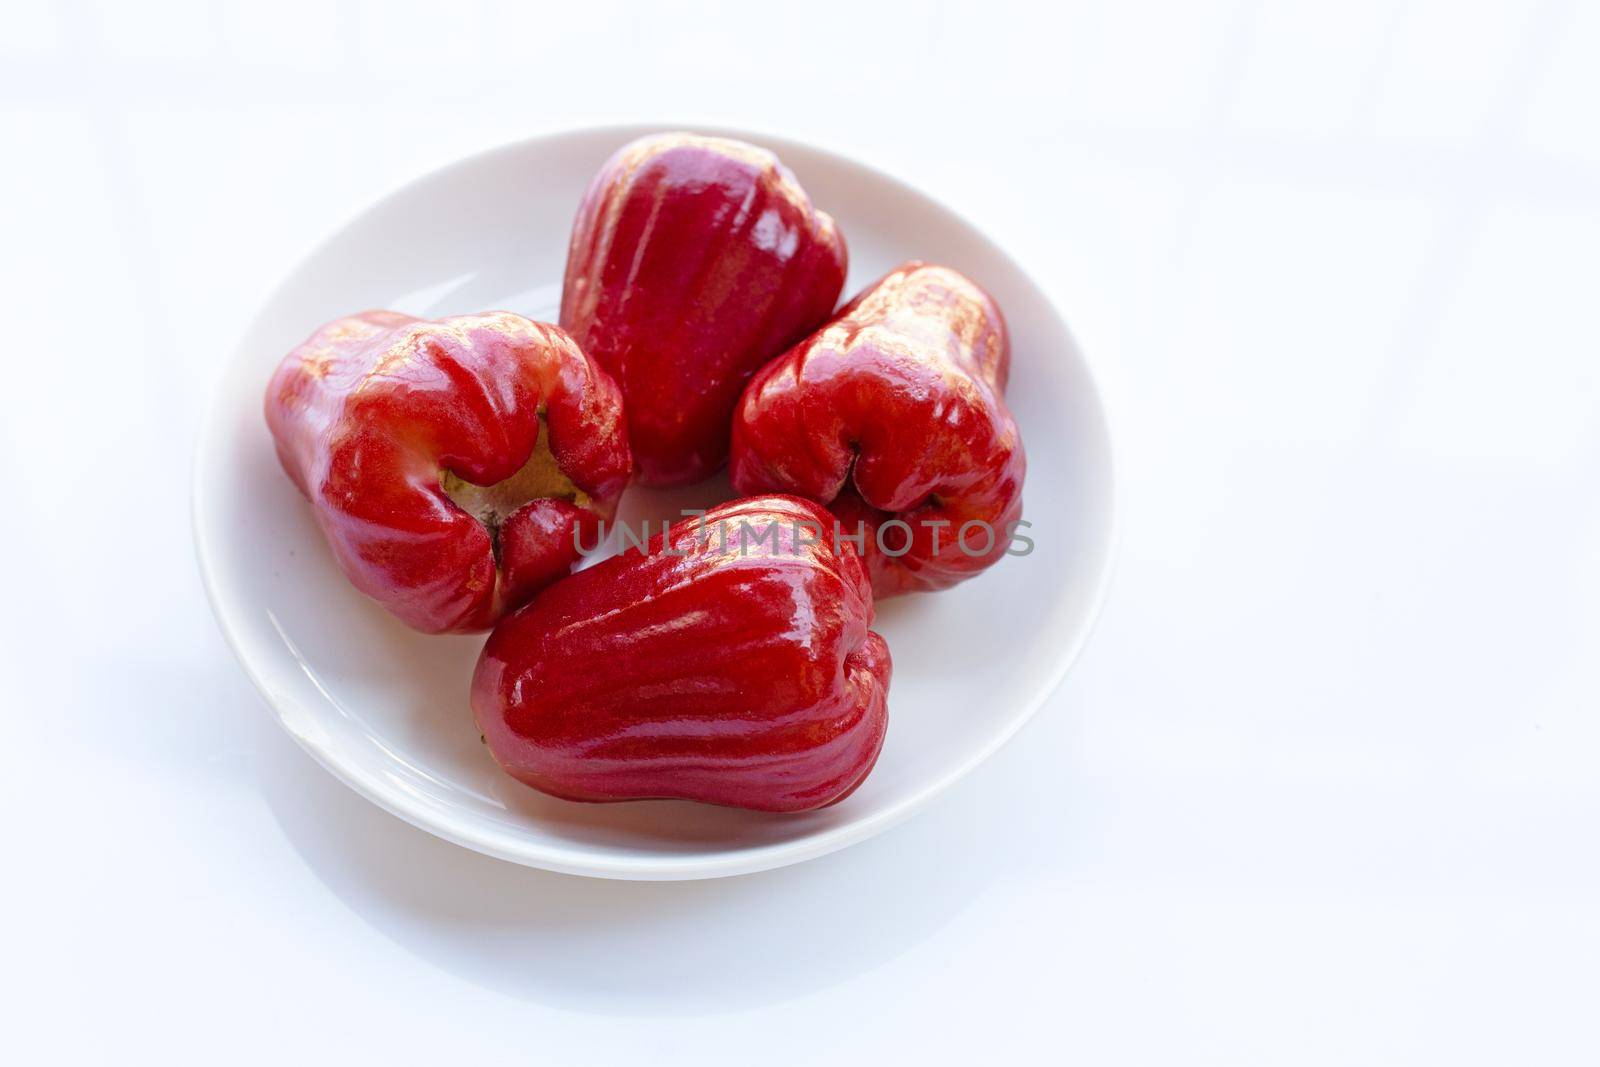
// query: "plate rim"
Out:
[504,844]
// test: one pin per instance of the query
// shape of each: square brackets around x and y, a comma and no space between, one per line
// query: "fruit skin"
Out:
[693,671]
[693,261]
[371,411]
[895,410]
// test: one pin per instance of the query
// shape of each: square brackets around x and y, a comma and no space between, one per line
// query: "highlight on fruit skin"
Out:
[731,661]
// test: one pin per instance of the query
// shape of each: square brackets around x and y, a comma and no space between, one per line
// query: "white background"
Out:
[1324,787]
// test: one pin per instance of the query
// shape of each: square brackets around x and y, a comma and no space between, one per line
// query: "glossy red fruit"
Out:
[450,464]
[693,261]
[894,415]
[729,663]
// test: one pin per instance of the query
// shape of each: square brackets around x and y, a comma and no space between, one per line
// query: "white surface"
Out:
[1323,787]
[385,708]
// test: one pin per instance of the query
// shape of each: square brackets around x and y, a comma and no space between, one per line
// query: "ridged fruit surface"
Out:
[693,261]
[730,662]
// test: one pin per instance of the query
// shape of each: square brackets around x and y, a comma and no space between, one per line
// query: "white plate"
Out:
[386,710]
